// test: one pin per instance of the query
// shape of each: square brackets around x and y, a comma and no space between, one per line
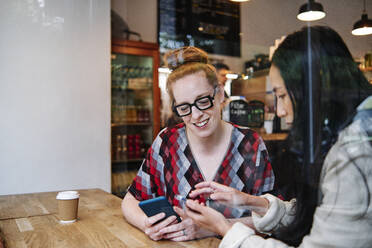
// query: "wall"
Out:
[54,95]
[262,21]
[140,16]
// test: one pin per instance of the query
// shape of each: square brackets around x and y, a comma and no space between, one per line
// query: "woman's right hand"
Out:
[207,217]
[153,230]
[230,196]
[219,192]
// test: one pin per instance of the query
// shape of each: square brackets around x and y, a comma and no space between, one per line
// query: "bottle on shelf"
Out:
[118,153]
[130,143]
[123,114]
[131,152]
[115,117]
[124,77]
[141,114]
[124,149]
[131,72]
[117,148]
[146,115]
[118,140]
[137,146]
[129,113]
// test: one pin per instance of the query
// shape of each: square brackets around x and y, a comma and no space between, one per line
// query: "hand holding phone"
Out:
[158,205]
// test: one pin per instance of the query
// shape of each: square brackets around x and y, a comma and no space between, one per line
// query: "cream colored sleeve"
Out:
[244,237]
[280,213]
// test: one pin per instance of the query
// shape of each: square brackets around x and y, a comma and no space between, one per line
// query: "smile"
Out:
[202,123]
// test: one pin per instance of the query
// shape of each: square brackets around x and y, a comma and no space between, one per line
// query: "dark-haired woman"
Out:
[332,187]
[202,148]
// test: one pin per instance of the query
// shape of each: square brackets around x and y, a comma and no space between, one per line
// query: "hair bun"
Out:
[184,55]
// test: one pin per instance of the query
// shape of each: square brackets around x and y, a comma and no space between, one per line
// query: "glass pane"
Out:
[300,124]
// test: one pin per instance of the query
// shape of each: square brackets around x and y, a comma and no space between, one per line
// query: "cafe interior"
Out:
[83,92]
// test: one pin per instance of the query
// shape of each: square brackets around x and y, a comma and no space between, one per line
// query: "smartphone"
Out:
[157,205]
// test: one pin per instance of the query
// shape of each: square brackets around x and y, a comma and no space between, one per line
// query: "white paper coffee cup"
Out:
[68,203]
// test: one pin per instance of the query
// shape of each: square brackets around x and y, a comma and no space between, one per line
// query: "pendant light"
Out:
[364,25]
[311,11]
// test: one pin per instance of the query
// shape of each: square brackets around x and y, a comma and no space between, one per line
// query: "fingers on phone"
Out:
[220,187]
[154,231]
[212,185]
[155,236]
[180,211]
[181,238]
[168,221]
[220,196]
[193,206]
[153,219]
[172,235]
[172,231]
[203,185]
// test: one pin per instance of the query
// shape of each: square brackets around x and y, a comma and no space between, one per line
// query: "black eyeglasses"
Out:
[201,103]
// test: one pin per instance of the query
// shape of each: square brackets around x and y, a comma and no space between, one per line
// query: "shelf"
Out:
[366,69]
[133,160]
[273,136]
[131,124]
[270,136]
[132,89]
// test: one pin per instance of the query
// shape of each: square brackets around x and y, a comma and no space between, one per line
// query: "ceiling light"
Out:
[311,11]
[364,25]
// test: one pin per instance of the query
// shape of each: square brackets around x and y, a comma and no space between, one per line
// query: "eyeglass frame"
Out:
[210,98]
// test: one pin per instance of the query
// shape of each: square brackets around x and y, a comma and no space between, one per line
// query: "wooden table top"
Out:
[30,220]
[273,136]
[270,136]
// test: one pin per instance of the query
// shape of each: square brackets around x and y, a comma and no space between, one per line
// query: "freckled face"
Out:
[284,106]
[201,123]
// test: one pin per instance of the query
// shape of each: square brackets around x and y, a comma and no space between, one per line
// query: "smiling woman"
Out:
[202,148]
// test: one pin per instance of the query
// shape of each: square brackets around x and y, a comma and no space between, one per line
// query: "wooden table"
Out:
[30,220]
[270,136]
[273,136]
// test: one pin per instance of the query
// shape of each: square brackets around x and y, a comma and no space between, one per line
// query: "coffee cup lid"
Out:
[67,195]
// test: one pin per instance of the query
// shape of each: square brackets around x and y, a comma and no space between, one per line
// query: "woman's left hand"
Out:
[207,217]
[182,231]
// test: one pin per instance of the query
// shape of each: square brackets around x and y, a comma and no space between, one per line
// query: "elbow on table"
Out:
[131,211]
[125,205]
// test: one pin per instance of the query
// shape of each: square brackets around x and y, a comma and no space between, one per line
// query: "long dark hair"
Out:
[316,60]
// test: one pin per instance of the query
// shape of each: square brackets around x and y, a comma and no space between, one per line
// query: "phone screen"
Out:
[157,205]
